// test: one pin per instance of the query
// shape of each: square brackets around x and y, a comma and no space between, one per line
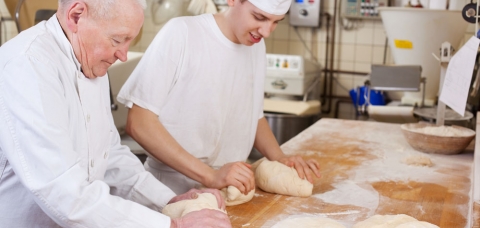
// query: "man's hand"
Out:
[237,174]
[202,218]
[193,194]
[304,168]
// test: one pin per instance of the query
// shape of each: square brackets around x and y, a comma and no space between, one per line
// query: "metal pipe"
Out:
[332,55]
[385,51]
[17,14]
[324,90]
[348,72]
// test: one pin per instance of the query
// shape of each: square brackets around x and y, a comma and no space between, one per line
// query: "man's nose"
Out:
[266,29]
[121,53]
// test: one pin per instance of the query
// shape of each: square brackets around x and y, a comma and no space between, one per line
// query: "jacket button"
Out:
[88,118]
[105,155]
[92,163]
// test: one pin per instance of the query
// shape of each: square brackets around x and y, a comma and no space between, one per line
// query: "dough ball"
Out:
[385,221]
[308,222]
[233,196]
[181,208]
[275,177]
[418,161]
[417,224]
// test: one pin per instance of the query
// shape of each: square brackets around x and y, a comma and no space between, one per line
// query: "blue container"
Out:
[376,97]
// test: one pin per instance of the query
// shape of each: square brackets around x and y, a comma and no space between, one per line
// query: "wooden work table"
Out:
[364,173]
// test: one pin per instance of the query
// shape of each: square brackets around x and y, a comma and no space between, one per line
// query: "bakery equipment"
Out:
[305,13]
[292,94]
[440,113]
[414,34]
[291,85]
[393,78]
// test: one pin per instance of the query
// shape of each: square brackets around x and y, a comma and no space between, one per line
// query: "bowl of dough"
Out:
[435,139]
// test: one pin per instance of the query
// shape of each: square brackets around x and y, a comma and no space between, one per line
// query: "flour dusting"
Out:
[349,193]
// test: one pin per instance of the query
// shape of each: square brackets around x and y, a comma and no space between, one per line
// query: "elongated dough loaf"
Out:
[275,177]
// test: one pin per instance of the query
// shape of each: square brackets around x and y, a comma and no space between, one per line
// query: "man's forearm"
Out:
[265,141]
[145,127]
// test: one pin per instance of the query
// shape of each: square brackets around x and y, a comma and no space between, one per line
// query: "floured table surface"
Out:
[364,173]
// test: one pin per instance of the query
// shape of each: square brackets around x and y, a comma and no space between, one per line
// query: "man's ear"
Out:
[76,11]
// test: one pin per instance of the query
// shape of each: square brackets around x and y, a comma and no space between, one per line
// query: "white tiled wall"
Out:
[355,50]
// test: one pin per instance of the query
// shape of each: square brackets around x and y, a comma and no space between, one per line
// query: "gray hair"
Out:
[101,8]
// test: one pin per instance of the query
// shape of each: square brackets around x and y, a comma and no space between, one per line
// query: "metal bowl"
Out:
[435,144]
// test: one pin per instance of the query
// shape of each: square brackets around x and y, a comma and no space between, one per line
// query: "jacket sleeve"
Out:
[35,139]
[128,179]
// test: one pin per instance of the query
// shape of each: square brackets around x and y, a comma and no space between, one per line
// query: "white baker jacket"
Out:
[61,162]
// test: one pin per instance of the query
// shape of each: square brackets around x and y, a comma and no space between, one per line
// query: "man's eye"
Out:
[259,19]
[116,41]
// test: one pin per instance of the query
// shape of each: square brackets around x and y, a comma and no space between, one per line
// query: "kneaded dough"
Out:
[308,222]
[418,161]
[233,196]
[275,177]
[181,208]
[417,224]
[385,221]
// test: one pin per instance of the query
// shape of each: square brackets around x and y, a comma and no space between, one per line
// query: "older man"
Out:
[61,162]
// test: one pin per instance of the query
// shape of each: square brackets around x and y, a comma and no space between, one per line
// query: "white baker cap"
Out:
[275,7]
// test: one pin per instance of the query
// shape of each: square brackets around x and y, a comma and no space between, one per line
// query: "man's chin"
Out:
[96,74]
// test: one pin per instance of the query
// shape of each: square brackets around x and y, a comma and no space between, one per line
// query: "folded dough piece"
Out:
[275,177]
[181,208]
[233,196]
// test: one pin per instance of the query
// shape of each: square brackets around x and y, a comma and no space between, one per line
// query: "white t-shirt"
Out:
[61,162]
[206,90]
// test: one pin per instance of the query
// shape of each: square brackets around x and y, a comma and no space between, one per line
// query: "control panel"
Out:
[363,9]
[305,13]
[289,74]
[285,62]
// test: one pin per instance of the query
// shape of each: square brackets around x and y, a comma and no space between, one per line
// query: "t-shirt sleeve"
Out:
[157,72]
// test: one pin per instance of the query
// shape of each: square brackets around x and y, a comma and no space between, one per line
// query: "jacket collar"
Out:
[56,29]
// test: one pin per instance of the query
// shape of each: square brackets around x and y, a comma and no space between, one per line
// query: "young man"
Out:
[61,162]
[196,98]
